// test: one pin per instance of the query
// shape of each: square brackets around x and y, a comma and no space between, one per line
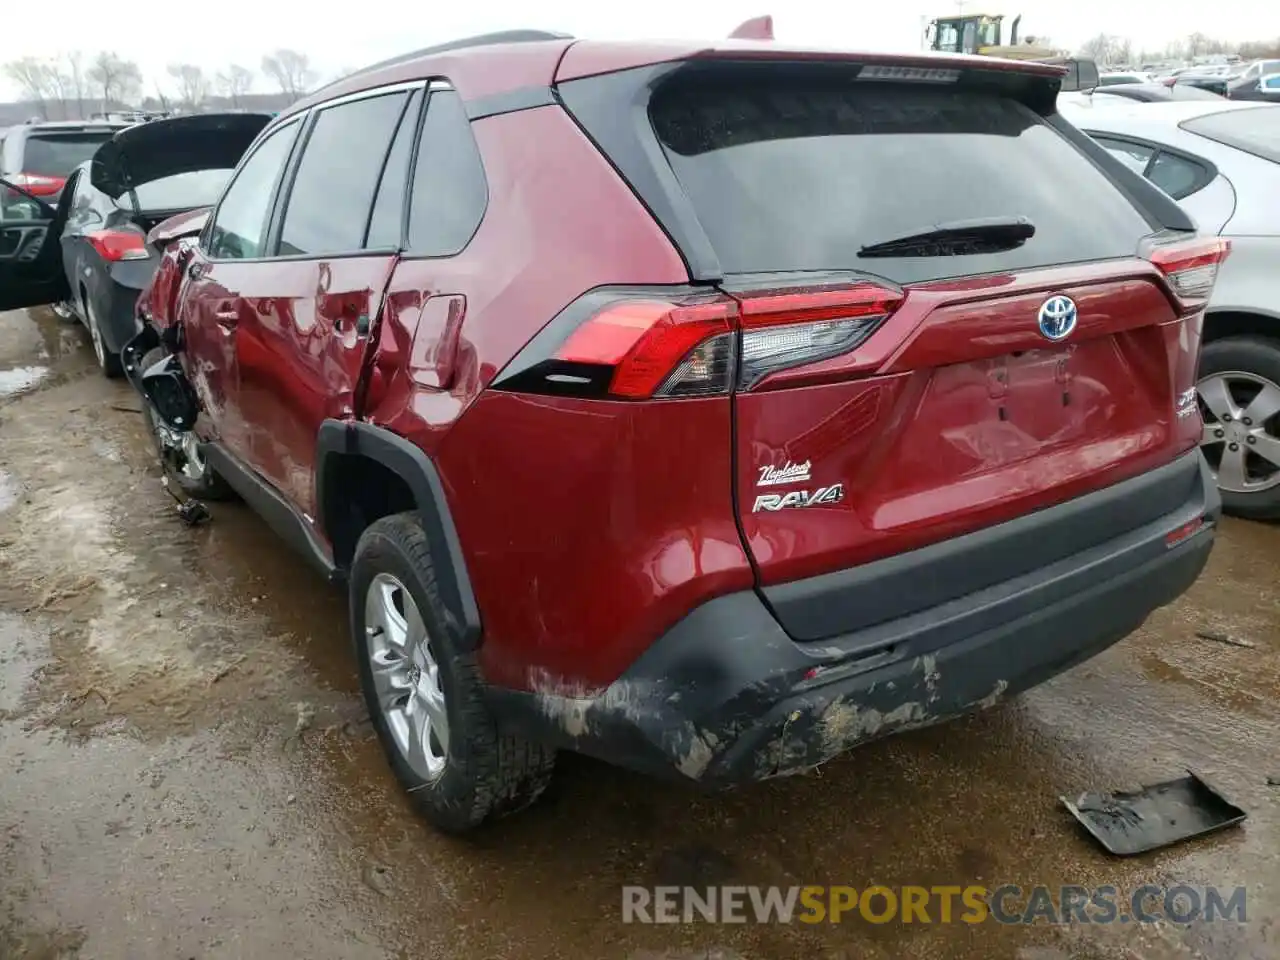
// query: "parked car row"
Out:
[111,185]
[707,413]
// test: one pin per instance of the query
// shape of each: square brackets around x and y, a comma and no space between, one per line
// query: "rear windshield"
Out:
[1255,130]
[798,175]
[57,154]
[182,191]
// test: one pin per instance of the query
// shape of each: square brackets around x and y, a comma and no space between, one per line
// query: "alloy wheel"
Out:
[95,334]
[1241,439]
[406,676]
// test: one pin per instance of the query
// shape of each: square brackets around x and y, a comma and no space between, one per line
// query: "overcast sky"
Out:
[339,35]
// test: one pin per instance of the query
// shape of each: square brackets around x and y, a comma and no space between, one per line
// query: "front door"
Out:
[222,274]
[31,271]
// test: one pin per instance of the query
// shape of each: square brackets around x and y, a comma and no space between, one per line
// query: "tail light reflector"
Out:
[1191,267]
[116,245]
[642,347]
[785,329]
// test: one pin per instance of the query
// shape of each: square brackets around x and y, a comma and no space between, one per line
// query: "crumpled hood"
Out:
[165,148]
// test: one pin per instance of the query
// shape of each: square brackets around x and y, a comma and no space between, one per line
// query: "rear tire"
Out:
[1239,390]
[425,696]
[108,362]
[181,455]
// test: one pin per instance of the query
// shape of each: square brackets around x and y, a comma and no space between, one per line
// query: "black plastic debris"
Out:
[191,511]
[1156,816]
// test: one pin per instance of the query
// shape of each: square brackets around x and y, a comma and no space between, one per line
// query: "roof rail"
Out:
[482,40]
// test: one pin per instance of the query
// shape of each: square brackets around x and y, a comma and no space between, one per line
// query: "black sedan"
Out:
[141,176]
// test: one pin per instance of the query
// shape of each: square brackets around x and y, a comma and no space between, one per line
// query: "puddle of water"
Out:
[20,380]
[9,491]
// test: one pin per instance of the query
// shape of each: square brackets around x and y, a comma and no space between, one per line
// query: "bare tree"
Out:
[291,70]
[1261,49]
[59,83]
[235,82]
[32,78]
[193,88]
[1197,44]
[161,99]
[120,80]
[1101,48]
[75,70]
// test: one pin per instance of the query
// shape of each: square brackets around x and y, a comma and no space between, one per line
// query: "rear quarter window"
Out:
[1254,130]
[799,174]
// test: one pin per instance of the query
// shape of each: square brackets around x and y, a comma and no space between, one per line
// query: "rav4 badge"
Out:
[823,496]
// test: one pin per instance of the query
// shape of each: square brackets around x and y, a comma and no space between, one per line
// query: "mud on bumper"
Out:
[727,696]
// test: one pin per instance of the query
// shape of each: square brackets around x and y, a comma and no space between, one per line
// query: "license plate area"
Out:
[1033,388]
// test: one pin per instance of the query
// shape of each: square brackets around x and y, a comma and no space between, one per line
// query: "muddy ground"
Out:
[186,769]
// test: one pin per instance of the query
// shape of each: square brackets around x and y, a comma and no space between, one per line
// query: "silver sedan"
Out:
[1221,161]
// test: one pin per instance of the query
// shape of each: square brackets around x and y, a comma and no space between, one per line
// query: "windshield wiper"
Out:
[980,235]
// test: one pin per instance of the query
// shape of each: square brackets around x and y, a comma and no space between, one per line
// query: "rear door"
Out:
[31,271]
[306,327]
[894,398]
[223,272]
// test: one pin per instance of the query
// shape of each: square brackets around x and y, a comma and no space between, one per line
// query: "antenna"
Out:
[757,28]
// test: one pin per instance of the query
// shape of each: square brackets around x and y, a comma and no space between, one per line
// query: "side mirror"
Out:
[170,394]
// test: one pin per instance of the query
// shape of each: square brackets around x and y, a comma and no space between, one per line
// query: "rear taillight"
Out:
[642,347]
[116,245]
[1191,267]
[657,348]
[37,184]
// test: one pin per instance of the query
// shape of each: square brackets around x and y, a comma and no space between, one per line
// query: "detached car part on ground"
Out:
[1222,164]
[711,449]
[135,179]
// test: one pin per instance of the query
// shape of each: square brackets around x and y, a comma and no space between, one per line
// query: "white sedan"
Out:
[1221,161]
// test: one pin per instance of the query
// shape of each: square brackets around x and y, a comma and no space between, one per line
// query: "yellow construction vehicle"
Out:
[983,34]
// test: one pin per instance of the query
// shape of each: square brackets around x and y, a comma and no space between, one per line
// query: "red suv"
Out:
[707,408]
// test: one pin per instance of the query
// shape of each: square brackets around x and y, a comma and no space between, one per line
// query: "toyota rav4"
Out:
[707,408]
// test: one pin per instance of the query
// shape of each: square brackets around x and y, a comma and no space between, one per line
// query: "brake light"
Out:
[116,245]
[37,184]
[641,347]
[1191,267]
[658,348]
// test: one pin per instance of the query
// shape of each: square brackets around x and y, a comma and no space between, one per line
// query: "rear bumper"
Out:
[727,696]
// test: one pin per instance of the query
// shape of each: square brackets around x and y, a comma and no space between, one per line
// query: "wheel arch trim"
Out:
[419,473]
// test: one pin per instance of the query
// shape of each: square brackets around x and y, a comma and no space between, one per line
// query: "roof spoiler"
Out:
[757,28]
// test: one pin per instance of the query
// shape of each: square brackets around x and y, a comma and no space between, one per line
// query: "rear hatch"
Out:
[166,167]
[155,171]
[950,315]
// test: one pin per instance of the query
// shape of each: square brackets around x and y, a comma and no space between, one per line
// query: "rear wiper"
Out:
[980,235]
